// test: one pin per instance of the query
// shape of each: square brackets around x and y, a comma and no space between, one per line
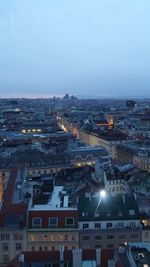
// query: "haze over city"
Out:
[95,48]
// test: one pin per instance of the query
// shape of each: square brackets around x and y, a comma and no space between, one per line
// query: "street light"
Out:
[103,193]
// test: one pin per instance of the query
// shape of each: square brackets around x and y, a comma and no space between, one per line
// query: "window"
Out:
[53,222]
[5,258]
[110,237]
[66,237]
[86,237]
[121,225]
[66,247]
[78,158]
[18,236]
[73,237]
[110,246]
[45,237]
[122,237]
[18,246]
[89,157]
[32,248]
[134,235]
[36,222]
[69,221]
[131,212]
[5,246]
[98,237]
[108,225]
[40,248]
[85,225]
[45,248]
[97,225]
[53,248]
[108,214]
[132,224]
[97,246]
[4,236]
[32,237]
[146,234]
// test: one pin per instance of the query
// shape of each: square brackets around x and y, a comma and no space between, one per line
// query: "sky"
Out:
[98,48]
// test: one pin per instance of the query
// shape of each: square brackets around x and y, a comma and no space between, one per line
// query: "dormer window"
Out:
[131,212]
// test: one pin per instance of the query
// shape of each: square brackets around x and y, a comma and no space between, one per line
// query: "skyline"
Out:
[96,49]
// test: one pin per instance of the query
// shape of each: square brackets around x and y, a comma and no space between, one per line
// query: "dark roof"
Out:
[12,213]
[35,158]
[108,208]
[54,256]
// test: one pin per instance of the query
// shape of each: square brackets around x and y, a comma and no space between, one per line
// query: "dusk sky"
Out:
[81,47]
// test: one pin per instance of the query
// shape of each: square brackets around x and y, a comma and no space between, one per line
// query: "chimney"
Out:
[21,260]
[77,257]
[98,257]
[111,263]
[61,253]
[124,199]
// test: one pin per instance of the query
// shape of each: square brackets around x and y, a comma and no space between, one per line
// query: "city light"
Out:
[103,193]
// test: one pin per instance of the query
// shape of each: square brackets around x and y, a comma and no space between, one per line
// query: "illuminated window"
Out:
[60,237]
[32,237]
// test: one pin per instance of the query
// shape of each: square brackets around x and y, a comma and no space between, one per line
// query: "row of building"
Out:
[89,220]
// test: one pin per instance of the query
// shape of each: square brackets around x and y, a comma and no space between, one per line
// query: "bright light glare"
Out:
[102,193]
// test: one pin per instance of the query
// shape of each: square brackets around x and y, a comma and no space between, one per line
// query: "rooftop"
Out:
[58,200]
[110,207]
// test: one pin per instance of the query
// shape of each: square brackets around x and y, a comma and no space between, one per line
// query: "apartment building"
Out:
[54,224]
[13,212]
[108,222]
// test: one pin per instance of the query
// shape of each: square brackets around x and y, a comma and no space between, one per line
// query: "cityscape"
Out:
[74,133]
[74,182]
